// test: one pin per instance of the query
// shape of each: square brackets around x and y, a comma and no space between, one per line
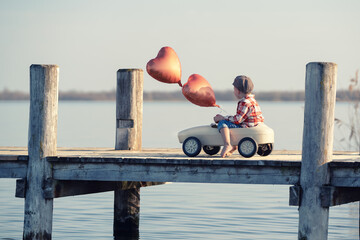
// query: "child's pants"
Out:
[225,123]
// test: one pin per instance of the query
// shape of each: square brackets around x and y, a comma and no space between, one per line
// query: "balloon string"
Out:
[223,110]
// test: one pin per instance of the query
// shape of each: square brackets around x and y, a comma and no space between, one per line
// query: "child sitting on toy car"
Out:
[248,113]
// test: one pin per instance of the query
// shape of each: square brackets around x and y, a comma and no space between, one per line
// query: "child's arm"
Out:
[241,114]
[218,118]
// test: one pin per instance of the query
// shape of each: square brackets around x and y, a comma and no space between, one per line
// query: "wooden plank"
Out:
[329,196]
[172,161]
[206,173]
[345,176]
[338,159]
[333,196]
[13,169]
[74,188]
[58,188]
[10,157]
[42,143]
[12,151]
[317,147]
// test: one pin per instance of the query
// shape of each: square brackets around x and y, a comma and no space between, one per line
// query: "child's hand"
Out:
[218,118]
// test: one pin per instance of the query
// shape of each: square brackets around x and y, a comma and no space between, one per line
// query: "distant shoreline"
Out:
[227,95]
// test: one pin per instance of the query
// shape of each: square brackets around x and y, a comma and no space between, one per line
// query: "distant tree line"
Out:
[87,96]
[342,95]
[13,95]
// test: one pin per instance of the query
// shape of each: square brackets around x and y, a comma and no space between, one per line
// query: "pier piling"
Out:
[127,213]
[129,110]
[317,148]
[41,143]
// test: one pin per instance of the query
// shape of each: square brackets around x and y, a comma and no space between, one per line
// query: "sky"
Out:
[269,41]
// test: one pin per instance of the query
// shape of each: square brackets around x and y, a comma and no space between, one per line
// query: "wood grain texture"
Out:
[126,214]
[41,143]
[181,172]
[344,167]
[317,147]
[59,188]
[129,109]
[129,113]
[13,169]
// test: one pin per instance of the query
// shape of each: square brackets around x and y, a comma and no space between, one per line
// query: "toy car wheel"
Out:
[211,150]
[247,147]
[265,149]
[191,146]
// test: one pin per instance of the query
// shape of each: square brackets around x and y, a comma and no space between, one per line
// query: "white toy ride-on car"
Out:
[259,139]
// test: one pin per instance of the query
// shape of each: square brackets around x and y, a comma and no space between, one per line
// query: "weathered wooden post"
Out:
[41,143]
[127,213]
[129,107]
[317,150]
[129,110]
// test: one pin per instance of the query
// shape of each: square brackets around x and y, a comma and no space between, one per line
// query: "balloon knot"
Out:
[180,84]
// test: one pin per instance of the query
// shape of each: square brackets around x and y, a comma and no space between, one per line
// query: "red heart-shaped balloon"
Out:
[199,91]
[165,67]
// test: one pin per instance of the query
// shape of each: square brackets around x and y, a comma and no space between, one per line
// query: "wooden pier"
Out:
[319,178]
[172,165]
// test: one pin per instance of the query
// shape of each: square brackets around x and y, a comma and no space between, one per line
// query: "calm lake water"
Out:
[177,210]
